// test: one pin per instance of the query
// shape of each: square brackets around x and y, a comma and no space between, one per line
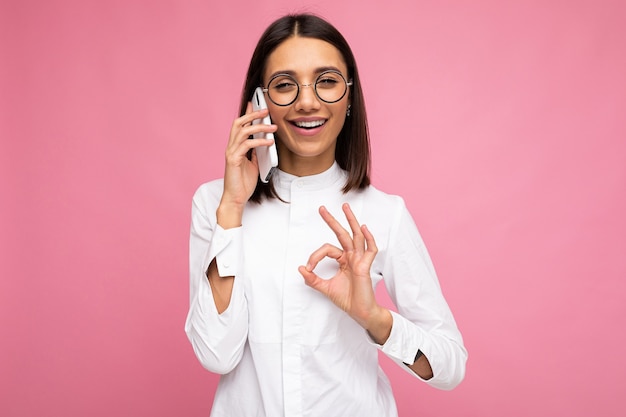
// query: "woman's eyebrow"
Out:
[292,73]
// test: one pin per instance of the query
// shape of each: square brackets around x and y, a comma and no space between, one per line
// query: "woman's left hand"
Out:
[351,287]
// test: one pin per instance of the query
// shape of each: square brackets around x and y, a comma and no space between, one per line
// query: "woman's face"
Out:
[308,127]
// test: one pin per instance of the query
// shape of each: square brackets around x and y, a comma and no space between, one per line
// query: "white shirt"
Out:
[284,349]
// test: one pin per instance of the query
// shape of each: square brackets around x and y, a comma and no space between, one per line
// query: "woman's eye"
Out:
[327,82]
[283,85]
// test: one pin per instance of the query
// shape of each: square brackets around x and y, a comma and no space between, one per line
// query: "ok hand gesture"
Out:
[351,287]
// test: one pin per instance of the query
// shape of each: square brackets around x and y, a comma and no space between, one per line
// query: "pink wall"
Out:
[501,123]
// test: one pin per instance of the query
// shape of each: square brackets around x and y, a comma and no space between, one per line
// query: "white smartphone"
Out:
[266,155]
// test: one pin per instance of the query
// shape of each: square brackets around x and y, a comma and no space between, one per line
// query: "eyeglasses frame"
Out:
[314,85]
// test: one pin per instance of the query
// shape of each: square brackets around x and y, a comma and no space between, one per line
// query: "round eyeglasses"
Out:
[330,87]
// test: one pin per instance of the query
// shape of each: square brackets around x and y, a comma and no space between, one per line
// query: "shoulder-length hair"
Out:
[352,152]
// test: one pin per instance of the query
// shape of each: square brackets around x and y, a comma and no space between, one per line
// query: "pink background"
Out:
[502,123]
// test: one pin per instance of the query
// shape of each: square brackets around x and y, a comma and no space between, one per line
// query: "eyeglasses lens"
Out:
[330,87]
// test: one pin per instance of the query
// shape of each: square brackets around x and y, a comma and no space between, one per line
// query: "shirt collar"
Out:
[319,181]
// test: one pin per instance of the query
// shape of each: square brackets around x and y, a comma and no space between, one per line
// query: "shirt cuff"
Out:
[225,248]
[404,340]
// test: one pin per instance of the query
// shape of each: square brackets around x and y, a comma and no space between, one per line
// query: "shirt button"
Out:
[300,184]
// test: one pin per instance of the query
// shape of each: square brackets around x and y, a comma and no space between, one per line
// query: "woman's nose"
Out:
[307,99]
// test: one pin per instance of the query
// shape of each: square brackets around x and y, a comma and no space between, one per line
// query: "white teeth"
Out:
[312,124]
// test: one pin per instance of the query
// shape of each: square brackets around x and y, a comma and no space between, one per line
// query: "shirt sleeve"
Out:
[218,340]
[424,320]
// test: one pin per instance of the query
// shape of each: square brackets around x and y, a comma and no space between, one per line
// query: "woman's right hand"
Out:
[241,173]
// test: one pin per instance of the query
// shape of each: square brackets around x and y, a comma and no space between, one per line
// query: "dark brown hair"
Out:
[352,152]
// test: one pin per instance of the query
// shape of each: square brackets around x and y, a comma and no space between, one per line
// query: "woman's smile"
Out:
[307,126]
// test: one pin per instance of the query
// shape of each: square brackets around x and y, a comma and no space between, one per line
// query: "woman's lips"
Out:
[310,124]
[308,127]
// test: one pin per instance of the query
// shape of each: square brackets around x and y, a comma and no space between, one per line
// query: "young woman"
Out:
[283,274]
